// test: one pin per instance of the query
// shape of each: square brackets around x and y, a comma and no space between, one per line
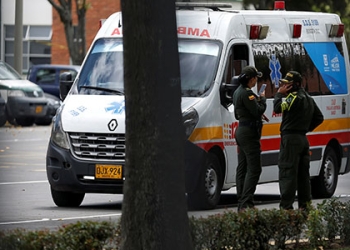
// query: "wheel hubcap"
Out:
[211,181]
[328,173]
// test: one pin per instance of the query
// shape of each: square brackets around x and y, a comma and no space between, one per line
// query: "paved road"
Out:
[26,200]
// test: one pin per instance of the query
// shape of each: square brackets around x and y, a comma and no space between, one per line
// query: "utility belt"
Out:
[293,132]
[251,124]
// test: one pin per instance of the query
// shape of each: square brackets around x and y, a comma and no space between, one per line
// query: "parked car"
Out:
[47,76]
[53,103]
[2,111]
[24,100]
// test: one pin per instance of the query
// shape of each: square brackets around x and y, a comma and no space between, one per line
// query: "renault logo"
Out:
[35,93]
[112,125]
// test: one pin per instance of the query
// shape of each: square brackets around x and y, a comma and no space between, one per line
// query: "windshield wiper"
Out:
[103,89]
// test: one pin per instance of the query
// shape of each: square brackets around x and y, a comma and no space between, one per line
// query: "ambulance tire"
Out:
[324,185]
[67,199]
[208,191]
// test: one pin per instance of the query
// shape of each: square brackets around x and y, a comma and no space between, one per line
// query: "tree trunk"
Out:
[76,45]
[81,43]
[154,213]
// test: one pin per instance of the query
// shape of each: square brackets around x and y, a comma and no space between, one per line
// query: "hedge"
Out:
[325,226]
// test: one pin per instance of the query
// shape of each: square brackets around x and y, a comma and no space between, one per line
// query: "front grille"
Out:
[98,146]
[34,94]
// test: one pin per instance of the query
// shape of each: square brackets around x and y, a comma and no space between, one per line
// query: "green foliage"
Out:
[21,239]
[87,235]
[320,228]
[316,230]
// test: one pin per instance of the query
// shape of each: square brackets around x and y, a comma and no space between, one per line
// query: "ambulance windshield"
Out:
[103,72]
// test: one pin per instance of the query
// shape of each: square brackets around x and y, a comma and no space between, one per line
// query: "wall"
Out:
[97,10]
[35,12]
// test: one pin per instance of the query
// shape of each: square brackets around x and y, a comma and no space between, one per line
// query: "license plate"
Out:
[108,171]
[38,109]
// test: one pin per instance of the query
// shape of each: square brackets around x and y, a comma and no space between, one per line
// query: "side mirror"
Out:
[227,90]
[66,82]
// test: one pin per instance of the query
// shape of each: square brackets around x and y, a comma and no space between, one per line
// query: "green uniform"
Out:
[300,115]
[248,110]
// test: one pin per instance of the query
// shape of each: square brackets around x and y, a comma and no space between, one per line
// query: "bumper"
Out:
[20,107]
[66,173]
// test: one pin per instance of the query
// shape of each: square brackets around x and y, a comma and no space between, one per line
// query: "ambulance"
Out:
[86,152]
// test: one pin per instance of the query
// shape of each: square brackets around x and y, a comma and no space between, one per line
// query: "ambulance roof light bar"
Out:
[280,5]
[257,31]
[191,5]
[101,22]
[336,30]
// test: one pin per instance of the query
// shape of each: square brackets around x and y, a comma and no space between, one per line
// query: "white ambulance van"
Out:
[86,152]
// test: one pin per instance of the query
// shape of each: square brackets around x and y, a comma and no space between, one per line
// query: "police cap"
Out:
[250,71]
[292,76]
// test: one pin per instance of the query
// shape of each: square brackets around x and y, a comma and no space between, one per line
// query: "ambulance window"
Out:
[236,61]
[103,72]
[198,65]
[320,63]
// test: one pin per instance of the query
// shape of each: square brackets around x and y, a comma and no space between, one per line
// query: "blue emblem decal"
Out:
[116,107]
[275,67]
[331,65]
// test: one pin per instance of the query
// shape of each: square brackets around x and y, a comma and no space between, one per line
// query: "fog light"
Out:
[55,176]
[66,165]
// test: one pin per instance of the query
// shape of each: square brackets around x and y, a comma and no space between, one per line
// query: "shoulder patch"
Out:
[251,97]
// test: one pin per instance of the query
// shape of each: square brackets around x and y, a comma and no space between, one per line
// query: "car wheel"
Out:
[3,120]
[10,118]
[324,185]
[25,122]
[208,190]
[67,199]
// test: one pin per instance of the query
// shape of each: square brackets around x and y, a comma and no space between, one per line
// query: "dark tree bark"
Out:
[154,213]
[76,42]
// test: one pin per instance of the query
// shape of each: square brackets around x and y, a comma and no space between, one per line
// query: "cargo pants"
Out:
[249,164]
[294,175]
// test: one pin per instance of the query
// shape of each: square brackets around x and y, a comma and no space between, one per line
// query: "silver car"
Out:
[24,100]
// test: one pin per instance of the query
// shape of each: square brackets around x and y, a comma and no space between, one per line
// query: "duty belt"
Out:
[291,132]
[251,124]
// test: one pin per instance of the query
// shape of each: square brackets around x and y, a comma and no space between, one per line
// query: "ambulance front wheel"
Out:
[208,190]
[324,185]
[67,199]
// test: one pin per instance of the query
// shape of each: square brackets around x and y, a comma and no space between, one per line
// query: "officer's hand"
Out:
[285,88]
[262,93]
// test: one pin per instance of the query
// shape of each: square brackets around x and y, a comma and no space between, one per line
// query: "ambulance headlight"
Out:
[190,120]
[58,136]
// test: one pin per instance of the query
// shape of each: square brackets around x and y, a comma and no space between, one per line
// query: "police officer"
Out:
[248,109]
[300,114]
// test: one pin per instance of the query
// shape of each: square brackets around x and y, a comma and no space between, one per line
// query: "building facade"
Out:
[37,31]
[97,10]
[44,40]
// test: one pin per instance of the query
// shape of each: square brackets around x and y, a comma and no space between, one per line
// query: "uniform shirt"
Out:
[248,106]
[299,111]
